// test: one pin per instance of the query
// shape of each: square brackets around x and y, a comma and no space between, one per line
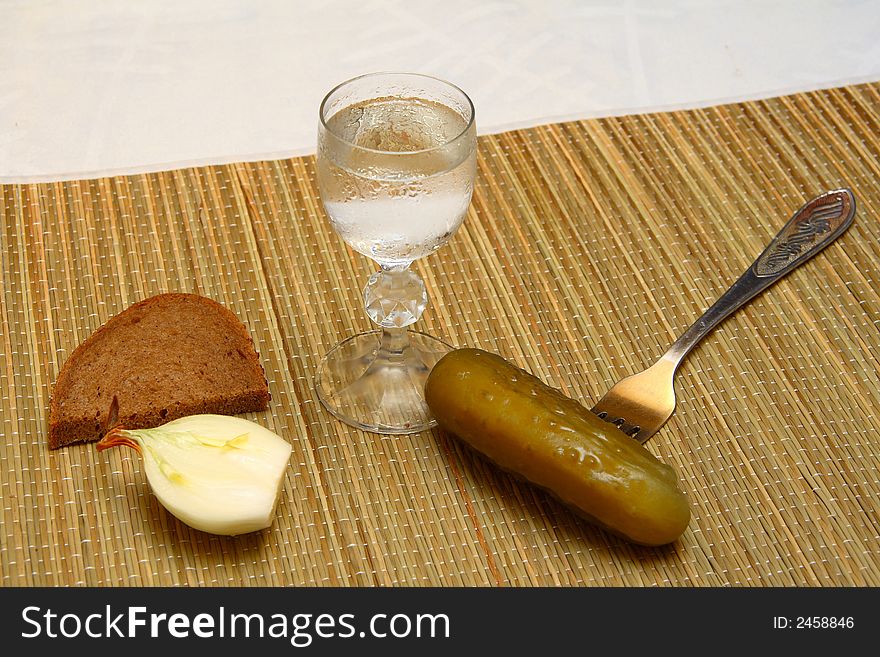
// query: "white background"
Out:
[89,88]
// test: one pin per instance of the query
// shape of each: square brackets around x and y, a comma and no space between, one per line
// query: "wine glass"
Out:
[396,164]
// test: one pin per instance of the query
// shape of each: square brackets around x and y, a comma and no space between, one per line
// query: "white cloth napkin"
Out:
[98,88]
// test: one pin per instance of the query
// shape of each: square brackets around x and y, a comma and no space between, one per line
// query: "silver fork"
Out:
[640,404]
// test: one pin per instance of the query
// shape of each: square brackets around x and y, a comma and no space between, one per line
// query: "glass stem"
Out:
[394,341]
[394,298]
[393,345]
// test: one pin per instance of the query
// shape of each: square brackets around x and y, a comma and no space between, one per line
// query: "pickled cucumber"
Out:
[531,429]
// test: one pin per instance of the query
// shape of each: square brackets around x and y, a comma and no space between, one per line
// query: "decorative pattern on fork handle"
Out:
[640,404]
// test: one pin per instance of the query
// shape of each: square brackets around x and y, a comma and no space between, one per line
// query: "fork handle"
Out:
[818,223]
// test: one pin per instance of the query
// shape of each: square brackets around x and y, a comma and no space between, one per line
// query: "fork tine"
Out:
[631,430]
[640,404]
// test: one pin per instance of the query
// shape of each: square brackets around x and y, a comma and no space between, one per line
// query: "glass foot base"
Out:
[378,390]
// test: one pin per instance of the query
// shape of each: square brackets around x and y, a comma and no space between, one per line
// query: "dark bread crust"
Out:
[163,358]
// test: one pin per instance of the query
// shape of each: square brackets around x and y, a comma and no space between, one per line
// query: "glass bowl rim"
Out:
[446,144]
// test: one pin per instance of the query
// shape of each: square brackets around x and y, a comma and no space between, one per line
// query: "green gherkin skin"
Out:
[533,430]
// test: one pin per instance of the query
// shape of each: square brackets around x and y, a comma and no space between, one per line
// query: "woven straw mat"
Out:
[589,246]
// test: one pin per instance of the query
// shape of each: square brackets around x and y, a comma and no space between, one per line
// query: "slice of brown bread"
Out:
[166,357]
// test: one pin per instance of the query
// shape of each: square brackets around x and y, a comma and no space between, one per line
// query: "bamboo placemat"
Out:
[589,246]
